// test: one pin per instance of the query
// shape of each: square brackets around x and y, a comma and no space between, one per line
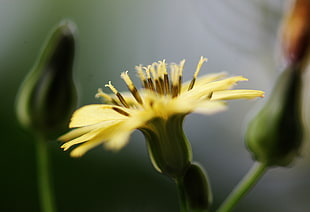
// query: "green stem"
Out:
[182,197]
[45,190]
[249,180]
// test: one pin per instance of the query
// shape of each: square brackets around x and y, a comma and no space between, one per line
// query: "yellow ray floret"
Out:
[162,96]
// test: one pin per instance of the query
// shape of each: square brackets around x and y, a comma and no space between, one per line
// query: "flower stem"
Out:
[182,197]
[249,180]
[44,186]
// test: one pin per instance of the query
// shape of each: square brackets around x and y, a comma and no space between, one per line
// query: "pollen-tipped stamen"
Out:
[181,67]
[105,96]
[142,76]
[132,88]
[162,71]
[149,79]
[201,61]
[119,96]
[155,74]
[174,69]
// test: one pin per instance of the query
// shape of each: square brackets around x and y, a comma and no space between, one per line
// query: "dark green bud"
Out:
[47,97]
[274,136]
[196,188]
[168,147]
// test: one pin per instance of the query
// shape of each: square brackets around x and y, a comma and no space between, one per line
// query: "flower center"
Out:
[154,78]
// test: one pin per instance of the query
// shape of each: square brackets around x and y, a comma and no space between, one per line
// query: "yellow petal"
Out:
[180,105]
[119,140]
[122,133]
[236,94]
[83,148]
[103,136]
[209,88]
[114,136]
[210,107]
[204,80]
[93,114]
[76,133]
[100,130]
[80,139]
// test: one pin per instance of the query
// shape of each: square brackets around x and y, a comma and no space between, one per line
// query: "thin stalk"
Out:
[44,185]
[249,180]
[182,197]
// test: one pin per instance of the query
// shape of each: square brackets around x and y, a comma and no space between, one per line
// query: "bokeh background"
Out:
[237,36]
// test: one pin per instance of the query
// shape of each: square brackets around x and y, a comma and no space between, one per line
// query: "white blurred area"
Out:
[237,36]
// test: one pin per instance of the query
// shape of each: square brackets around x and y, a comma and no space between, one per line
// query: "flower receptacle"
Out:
[168,147]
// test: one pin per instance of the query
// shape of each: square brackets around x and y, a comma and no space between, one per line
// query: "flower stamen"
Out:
[181,66]
[100,93]
[201,61]
[164,78]
[166,84]
[105,96]
[131,87]
[156,78]
[149,79]
[174,69]
[119,96]
[120,111]
[142,76]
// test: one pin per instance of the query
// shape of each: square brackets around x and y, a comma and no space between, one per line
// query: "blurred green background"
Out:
[114,36]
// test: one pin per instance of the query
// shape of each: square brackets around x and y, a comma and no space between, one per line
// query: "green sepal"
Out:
[168,147]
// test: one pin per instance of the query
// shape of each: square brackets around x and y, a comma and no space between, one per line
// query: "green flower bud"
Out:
[274,136]
[196,188]
[168,147]
[47,97]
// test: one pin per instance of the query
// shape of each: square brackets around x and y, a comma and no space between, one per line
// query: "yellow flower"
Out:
[163,99]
